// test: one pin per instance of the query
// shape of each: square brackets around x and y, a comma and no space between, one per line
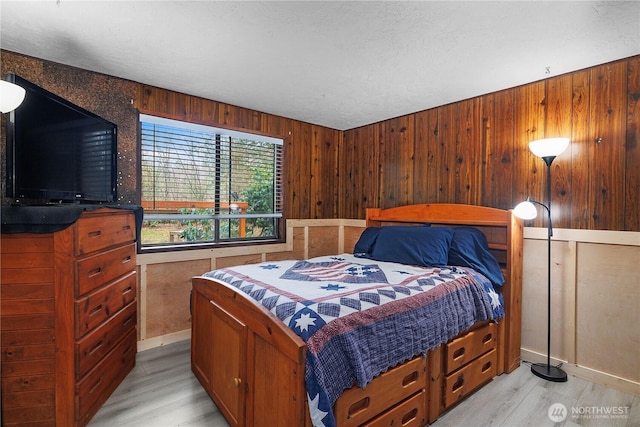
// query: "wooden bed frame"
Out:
[252,365]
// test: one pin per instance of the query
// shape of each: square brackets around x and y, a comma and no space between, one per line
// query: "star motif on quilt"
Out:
[337,258]
[332,287]
[495,299]
[269,267]
[316,414]
[304,321]
[401,272]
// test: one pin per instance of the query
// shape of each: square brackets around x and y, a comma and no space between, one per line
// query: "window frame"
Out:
[279,193]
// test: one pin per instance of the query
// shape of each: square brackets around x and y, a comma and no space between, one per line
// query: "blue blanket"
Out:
[361,317]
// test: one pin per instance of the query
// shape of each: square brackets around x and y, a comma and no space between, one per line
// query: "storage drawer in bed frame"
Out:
[356,405]
[464,349]
[469,361]
[460,383]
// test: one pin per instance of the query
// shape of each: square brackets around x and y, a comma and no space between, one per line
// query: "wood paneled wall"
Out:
[311,151]
[473,151]
[476,151]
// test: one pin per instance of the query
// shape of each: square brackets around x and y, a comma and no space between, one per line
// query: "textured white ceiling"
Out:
[332,63]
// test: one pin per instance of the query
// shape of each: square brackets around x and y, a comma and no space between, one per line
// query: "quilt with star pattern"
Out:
[361,317]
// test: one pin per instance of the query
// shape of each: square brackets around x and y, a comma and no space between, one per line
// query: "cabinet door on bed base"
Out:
[277,395]
[220,362]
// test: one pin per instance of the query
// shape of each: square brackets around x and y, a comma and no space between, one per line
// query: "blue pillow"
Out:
[364,245]
[423,246]
[469,248]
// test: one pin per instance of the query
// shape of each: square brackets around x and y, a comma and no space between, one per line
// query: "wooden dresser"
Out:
[68,318]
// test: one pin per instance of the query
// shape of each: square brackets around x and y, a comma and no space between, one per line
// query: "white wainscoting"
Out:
[595,314]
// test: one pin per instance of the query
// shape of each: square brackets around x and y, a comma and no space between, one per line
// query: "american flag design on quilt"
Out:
[323,301]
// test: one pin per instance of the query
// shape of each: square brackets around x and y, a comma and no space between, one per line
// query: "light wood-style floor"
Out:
[161,391]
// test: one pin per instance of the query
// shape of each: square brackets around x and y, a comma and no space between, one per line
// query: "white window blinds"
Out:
[186,165]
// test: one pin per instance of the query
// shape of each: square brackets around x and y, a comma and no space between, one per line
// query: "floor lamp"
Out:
[547,149]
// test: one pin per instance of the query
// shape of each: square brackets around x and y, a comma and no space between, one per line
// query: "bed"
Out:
[269,354]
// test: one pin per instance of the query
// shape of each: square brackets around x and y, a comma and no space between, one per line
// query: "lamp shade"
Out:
[11,96]
[549,147]
[525,210]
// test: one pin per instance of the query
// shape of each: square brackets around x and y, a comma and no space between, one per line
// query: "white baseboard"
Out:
[164,340]
[617,383]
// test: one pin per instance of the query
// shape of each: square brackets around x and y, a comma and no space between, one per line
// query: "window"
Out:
[204,185]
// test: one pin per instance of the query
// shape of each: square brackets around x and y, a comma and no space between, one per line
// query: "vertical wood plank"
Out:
[373,175]
[403,134]
[323,172]
[531,176]
[487,152]
[558,124]
[386,160]
[468,166]
[608,100]
[632,151]
[446,156]
[503,145]
[421,158]
[579,149]
[349,172]
[433,166]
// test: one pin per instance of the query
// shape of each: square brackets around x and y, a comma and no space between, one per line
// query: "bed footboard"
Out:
[250,364]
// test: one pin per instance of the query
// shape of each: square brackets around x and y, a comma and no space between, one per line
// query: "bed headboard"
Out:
[504,235]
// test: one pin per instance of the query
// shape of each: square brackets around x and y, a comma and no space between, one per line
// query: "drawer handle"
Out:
[95,386]
[359,406]
[410,379]
[126,321]
[487,338]
[96,233]
[95,347]
[486,367]
[458,353]
[126,290]
[126,353]
[458,384]
[126,227]
[409,416]
[96,309]
[95,272]
[237,381]
[126,259]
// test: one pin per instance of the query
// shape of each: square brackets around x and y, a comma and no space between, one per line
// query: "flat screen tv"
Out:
[57,151]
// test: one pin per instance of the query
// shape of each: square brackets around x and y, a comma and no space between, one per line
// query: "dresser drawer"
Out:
[466,348]
[96,270]
[409,413]
[92,348]
[357,405]
[98,231]
[94,389]
[95,308]
[469,377]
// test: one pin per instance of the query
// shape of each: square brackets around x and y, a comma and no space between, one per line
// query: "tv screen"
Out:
[58,151]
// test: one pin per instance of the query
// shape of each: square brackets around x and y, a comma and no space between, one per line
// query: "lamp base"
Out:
[549,373]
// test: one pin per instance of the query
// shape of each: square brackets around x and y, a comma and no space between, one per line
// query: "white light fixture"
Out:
[11,96]
[525,210]
[548,147]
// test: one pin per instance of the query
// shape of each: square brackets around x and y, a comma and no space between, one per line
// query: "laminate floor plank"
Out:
[161,391]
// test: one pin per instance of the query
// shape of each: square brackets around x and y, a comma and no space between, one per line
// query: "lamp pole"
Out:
[546,371]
